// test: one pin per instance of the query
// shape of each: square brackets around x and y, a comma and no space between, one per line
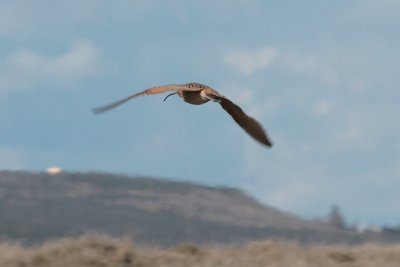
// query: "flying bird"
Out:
[198,94]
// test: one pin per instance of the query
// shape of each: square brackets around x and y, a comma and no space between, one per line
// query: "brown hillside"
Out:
[38,206]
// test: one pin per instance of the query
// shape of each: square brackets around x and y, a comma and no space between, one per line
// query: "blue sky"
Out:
[321,76]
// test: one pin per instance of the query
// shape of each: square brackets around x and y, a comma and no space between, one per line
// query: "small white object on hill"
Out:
[54,170]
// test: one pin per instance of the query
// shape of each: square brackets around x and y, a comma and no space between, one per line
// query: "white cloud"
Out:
[252,101]
[241,95]
[249,61]
[25,69]
[322,107]
[77,63]
[288,195]
[362,129]
[265,108]
[313,65]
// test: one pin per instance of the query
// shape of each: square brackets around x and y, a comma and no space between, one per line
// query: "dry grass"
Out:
[100,251]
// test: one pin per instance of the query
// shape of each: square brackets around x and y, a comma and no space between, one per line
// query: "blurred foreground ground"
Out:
[93,250]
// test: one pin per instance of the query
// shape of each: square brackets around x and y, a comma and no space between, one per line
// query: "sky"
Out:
[321,77]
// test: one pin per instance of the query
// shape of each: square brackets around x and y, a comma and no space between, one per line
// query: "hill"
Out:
[38,206]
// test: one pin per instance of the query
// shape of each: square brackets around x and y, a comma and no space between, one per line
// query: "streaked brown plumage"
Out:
[197,94]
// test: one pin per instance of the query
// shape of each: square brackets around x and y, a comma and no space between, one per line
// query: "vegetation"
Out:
[101,251]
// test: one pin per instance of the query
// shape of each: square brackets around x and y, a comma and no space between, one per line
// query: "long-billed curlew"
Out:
[197,94]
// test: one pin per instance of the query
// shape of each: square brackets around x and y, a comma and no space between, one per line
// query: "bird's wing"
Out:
[250,125]
[150,91]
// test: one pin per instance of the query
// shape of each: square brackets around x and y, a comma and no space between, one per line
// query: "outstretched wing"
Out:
[150,91]
[250,125]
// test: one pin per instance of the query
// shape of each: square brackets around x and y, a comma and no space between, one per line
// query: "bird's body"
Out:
[198,94]
[198,97]
[193,97]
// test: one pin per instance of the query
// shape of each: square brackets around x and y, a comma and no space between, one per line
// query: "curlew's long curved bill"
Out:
[150,91]
[250,125]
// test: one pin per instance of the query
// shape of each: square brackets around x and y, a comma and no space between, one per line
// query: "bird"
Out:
[198,94]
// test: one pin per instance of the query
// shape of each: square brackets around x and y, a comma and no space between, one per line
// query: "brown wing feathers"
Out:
[250,125]
[150,91]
